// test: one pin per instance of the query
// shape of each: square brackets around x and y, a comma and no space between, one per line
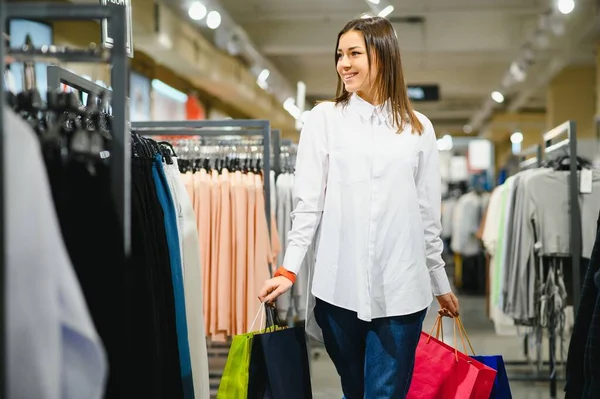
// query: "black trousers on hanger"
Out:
[152,342]
[94,241]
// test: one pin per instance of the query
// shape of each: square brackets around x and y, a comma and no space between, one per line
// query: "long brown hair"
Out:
[381,40]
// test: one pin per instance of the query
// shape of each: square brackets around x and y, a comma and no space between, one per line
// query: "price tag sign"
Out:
[585,181]
[108,39]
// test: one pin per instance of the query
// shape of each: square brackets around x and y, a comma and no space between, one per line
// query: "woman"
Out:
[368,175]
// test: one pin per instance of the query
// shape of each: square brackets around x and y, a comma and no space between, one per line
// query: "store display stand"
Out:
[118,59]
[215,128]
[568,145]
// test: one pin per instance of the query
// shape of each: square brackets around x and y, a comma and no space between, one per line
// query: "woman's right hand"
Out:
[273,288]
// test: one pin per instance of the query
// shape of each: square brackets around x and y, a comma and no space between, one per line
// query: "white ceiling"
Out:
[465,46]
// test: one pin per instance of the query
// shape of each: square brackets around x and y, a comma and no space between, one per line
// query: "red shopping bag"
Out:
[442,372]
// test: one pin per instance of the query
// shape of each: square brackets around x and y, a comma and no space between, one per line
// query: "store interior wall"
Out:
[571,95]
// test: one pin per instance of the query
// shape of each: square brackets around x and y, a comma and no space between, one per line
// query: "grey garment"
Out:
[52,348]
[522,239]
[292,304]
[283,226]
[549,193]
[541,227]
[509,245]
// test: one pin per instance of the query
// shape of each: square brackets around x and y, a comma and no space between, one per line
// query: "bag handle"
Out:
[261,312]
[464,333]
[438,326]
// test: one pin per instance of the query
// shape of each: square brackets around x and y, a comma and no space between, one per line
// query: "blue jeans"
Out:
[375,360]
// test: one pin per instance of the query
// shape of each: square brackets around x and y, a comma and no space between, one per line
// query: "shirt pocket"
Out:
[351,162]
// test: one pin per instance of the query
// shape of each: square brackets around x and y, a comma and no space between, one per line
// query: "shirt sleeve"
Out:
[312,163]
[428,182]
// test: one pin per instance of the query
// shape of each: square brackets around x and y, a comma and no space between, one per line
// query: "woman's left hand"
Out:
[448,305]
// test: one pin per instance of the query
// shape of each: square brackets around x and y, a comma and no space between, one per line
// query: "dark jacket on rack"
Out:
[583,363]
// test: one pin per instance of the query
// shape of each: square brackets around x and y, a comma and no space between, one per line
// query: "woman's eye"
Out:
[355,53]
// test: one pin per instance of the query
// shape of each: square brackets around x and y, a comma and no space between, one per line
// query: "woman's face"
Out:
[353,64]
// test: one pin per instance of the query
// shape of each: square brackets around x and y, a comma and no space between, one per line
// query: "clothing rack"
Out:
[215,128]
[568,128]
[536,161]
[527,163]
[57,75]
[119,79]
[276,143]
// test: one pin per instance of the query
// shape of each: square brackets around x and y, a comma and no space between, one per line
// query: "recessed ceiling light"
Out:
[213,20]
[498,97]
[197,11]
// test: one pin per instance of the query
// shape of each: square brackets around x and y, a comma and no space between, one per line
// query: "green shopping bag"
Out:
[234,382]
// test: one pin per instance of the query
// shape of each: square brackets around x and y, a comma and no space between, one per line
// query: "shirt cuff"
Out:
[293,258]
[440,284]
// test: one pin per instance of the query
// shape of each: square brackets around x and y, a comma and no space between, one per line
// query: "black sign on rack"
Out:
[107,36]
[424,92]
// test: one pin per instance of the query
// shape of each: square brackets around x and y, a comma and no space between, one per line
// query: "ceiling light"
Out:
[213,20]
[516,137]
[264,75]
[467,129]
[386,11]
[518,72]
[374,1]
[498,97]
[566,6]
[197,11]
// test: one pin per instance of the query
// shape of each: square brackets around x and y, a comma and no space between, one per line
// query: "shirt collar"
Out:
[380,113]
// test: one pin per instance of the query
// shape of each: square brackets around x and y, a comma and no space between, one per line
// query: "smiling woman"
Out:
[368,63]
[368,175]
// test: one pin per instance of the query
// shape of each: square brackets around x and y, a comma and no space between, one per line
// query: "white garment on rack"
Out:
[294,300]
[273,193]
[465,223]
[447,212]
[190,254]
[378,192]
[53,349]
[283,189]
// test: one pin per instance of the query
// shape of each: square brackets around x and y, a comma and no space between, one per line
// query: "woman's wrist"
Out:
[285,273]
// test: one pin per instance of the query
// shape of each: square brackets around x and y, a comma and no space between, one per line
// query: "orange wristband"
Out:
[287,274]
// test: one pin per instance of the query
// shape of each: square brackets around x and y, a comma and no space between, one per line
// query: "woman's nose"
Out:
[345,61]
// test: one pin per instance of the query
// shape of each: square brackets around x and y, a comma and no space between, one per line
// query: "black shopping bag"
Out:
[279,366]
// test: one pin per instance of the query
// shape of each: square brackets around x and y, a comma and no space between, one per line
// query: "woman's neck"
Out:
[370,97]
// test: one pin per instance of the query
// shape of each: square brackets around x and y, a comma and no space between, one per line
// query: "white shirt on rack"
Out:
[378,193]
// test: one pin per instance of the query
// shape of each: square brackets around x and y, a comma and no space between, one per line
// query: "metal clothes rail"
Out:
[536,161]
[215,128]
[568,128]
[57,75]
[119,79]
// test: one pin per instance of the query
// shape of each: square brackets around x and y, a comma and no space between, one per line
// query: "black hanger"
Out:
[170,146]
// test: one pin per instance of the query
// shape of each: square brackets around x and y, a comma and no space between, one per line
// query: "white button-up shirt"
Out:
[376,196]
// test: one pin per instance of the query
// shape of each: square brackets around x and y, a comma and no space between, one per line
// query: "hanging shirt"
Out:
[52,348]
[378,193]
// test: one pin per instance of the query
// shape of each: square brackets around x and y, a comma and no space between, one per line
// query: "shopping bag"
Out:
[279,367]
[442,372]
[501,389]
[234,381]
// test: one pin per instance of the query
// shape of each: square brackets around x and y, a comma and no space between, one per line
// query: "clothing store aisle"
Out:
[326,382]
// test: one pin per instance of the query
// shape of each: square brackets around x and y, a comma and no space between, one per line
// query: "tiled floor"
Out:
[485,341]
